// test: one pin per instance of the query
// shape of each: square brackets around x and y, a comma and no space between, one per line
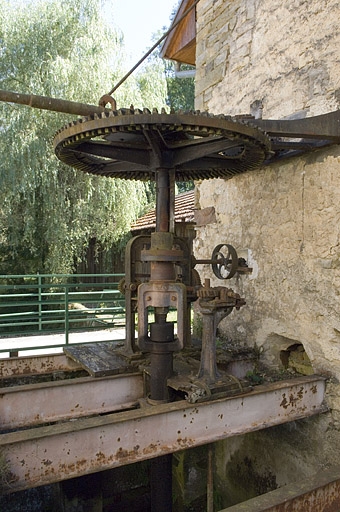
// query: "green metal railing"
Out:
[41,304]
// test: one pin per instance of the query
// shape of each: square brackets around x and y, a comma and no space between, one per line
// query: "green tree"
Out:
[49,211]
[181,91]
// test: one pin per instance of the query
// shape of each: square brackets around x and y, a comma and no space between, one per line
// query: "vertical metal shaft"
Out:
[162,200]
[161,358]
[210,479]
[161,484]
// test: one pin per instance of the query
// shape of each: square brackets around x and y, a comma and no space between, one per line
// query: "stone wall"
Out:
[284,54]
[279,59]
[285,217]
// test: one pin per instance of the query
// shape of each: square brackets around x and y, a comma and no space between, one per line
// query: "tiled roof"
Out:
[184,212]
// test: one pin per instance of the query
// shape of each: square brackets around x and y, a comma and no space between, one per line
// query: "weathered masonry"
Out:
[277,60]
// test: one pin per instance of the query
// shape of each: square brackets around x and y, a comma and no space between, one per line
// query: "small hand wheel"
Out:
[225,261]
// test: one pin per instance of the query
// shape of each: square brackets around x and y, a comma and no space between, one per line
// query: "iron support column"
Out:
[162,337]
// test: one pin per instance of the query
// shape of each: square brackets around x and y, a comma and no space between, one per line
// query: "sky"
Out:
[139,20]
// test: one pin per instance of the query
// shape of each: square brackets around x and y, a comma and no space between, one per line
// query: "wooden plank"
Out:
[99,359]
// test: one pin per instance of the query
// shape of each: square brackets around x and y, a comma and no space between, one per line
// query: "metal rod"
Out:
[53,104]
[210,479]
[153,48]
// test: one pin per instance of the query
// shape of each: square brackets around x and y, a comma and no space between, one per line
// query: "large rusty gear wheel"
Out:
[133,144]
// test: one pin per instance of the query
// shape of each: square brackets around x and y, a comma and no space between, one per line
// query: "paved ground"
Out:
[47,340]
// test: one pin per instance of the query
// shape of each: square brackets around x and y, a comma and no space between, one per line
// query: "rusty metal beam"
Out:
[320,493]
[41,364]
[44,455]
[54,104]
[324,126]
[67,399]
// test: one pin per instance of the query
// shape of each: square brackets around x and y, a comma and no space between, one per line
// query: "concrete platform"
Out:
[50,343]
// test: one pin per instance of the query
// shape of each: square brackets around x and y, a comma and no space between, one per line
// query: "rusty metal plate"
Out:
[318,494]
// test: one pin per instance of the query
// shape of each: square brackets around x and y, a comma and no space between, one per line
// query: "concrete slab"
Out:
[49,342]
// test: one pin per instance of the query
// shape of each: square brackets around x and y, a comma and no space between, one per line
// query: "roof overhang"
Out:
[180,44]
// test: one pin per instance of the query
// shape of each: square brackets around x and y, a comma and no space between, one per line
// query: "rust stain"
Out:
[293,400]
[284,402]
[100,457]
[300,393]
[73,467]
[127,454]
[185,442]
[150,449]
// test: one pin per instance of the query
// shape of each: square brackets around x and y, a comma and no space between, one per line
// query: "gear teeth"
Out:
[254,143]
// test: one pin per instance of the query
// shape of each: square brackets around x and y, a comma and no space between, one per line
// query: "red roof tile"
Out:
[184,212]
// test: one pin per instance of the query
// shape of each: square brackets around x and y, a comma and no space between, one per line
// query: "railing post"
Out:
[39,302]
[66,316]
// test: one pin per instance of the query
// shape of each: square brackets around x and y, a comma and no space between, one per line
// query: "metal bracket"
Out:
[162,295]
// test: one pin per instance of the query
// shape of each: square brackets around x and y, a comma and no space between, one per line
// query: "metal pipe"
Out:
[153,47]
[161,484]
[185,73]
[161,356]
[162,200]
[53,104]
[210,479]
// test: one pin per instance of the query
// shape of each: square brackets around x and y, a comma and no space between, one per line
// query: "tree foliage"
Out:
[49,211]
[181,91]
